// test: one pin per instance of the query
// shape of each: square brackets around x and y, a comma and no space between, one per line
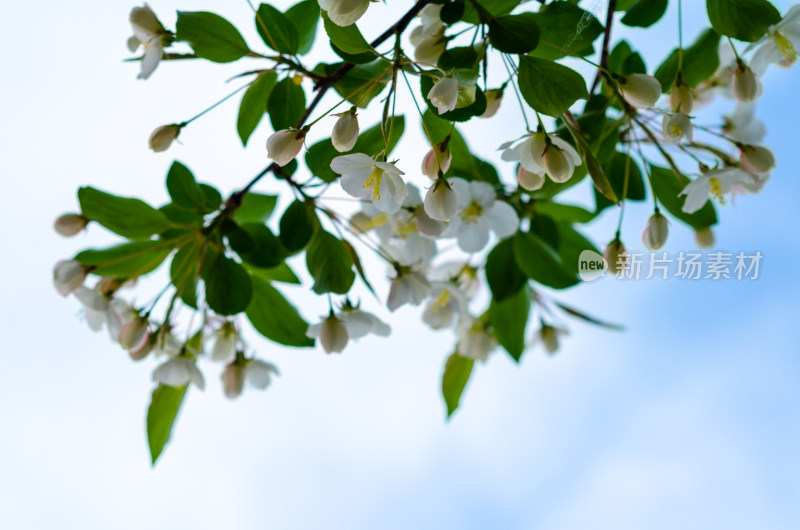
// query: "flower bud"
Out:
[746,85]
[224,344]
[430,49]
[757,159]
[68,275]
[680,98]
[233,380]
[556,164]
[141,352]
[676,127]
[529,180]
[441,201]
[549,337]
[616,256]
[284,145]
[640,90]
[333,335]
[345,132]
[144,19]
[70,224]
[133,335]
[163,136]
[655,232]
[704,238]
[493,99]
[444,94]
[438,158]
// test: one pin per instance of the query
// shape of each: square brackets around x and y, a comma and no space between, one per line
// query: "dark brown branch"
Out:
[612,6]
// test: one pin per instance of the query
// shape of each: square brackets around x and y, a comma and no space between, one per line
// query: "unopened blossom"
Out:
[68,275]
[780,45]
[142,351]
[757,159]
[364,177]
[655,232]
[441,201]
[446,305]
[549,336]
[493,98]
[345,131]
[344,12]
[704,238]
[95,306]
[676,127]
[742,126]
[166,344]
[255,372]
[529,180]
[444,94]
[361,323]
[429,49]
[479,212]
[423,222]
[542,153]
[640,90]
[331,332]
[409,286]
[428,38]
[179,371]
[161,138]
[70,224]
[147,32]
[134,334]
[474,341]
[437,159]
[745,84]
[284,145]
[225,338]
[616,256]
[680,98]
[715,183]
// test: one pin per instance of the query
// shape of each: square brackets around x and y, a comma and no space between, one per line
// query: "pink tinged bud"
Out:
[757,158]
[704,238]
[133,335]
[70,224]
[746,85]
[493,99]
[640,90]
[616,256]
[441,201]
[161,139]
[283,146]
[232,380]
[680,99]
[437,158]
[444,94]
[141,352]
[345,132]
[655,232]
[529,180]
[68,275]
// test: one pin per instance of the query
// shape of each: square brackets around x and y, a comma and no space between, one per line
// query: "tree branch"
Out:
[612,6]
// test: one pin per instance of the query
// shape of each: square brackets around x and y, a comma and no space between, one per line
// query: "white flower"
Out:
[344,12]
[474,341]
[331,332]
[179,371]
[284,145]
[493,99]
[479,212]
[780,45]
[441,201]
[757,159]
[680,98]
[704,238]
[655,232]
[95,306]
[714,183]
[541,153]
[746,85]
[741,125]
[529,180]
[429,49]
[161,138]
[255,372]
[616,256]
[68,275]
[446,305]
[548,336]
[224,343]
[70,224]
[408,287]
[361,323]
[444,94]
[345,132]
[147,31]
[640,90]
[379,181]
[438,158]
[166,344]
[134,334]
[431,18]
[675,128]
[459,273]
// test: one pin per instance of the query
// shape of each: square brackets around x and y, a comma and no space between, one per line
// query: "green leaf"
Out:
[185,270]
[161,415]
[645,13]
[700,61]
[330,264]
[276,318]
[540,262]
[548,87]
[565,29]
[282,273]
[213,197]
[211,36]
[746,20]
[452,11]
[593,167]
[346,38]
[363,82]
[255,208]
[514,33]
[508,318]
[276,30]
[129,218]
[465,164]
[297,226]
[454,380]
[493,8]
[460,57]
[254,104]
[304,16]
[267,250]
[568,213]
[667,186]
[502,273]
[127,260]
[286,104]
[184,190]
[228,286]
[616,168]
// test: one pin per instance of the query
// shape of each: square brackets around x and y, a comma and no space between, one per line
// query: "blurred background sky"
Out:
[688,419]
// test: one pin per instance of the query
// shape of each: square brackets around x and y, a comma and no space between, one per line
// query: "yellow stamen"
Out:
[442,300]
[374,182]
[715,187]
[472,211]
[785,46]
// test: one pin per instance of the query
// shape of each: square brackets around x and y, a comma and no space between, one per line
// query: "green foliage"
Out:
[514,33]
[700,61]
[509,318]
[745,20]
[666,186]
[645,13]
[363,83]
[548,87]
[476,108]
[275,318]
[276,30]
[565,29]
[330,264]
[305,17]
[286,104]
[347,39]
[456,375]
[254,104]
[255,208]
[185,270]
[129,218]
[502,272]
[161,415]
[540,262]
[228,286]
[127,260]
[211,36]
[297,226]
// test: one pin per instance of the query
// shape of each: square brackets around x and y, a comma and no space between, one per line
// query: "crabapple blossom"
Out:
[284,145]
[494,97]
[446,305]
[345,131]
[362,176]
[542,153]
[444,94]
[479,212]
[147,32]
[70,224]
[133,335]
[780,45]
[255,372]
[162,137]
[704,238]
[437,159]
[741,125]
[676,128]
[179,371]
[616,256]
[331,332]
[640,90]
[757,159]
[548,336]
[225,338]
[746,85]
[344,12]
[68,275]
[680,98]
[361,323]
[409,286]
[474,340]
[529,180]
[655,232]
[714,183]
[441,201]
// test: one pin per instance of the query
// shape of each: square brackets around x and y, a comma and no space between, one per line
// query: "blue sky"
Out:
[687,419]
